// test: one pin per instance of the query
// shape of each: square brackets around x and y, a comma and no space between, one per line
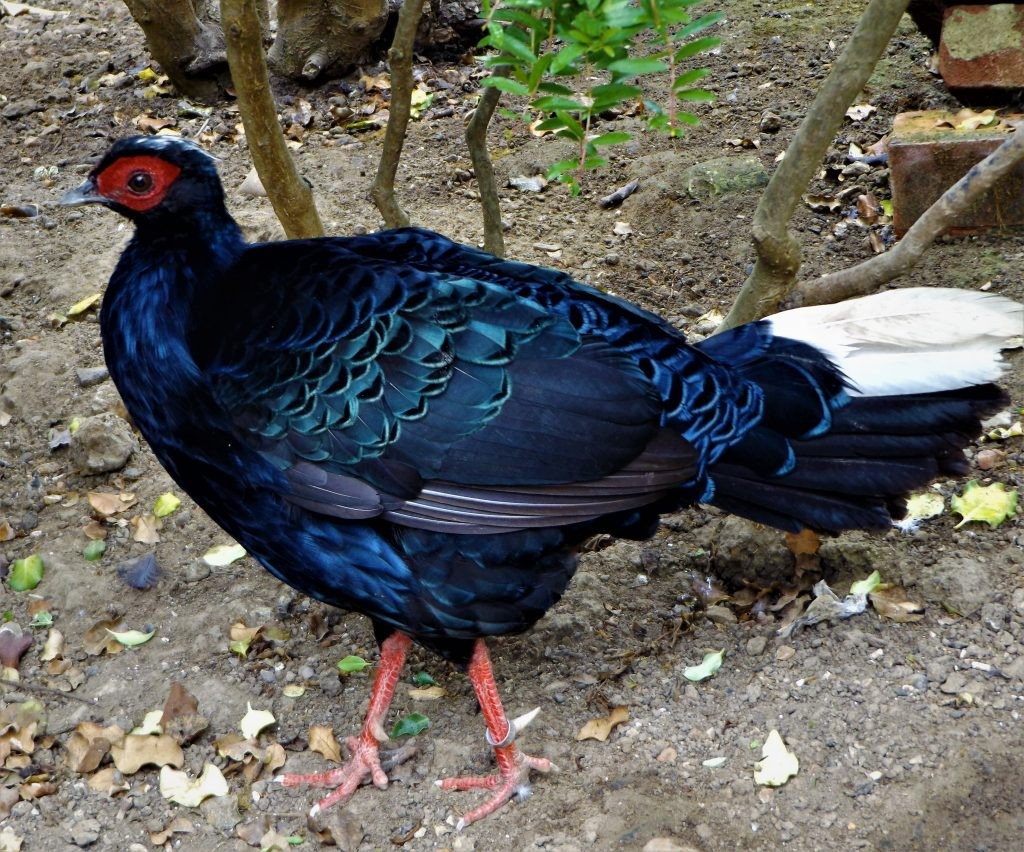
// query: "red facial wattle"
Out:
[138,183]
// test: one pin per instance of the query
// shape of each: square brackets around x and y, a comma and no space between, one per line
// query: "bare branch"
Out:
[400,61]
[778,251]
[865,277]
[476,142]
[289,194]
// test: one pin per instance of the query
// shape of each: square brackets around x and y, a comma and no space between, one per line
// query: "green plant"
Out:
[577,59]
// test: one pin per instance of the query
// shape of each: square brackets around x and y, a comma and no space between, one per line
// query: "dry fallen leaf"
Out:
[108,781]
[105,503]
[322,741]
[891,602]
[53,647]
[149,750]
[181,824]
[178,787]
[145,529]
[427,693]
[89,743]
[777,765]
[601,727]
[255,721]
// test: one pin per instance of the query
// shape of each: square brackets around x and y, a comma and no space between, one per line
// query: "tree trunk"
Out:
[319,36]
[184,37]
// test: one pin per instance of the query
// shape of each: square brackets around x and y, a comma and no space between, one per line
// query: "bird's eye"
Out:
[140,182]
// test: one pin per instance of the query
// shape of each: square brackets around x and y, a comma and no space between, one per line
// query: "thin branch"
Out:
[778,251]
[866,276]
[289,194]
[476,142]
[400,60]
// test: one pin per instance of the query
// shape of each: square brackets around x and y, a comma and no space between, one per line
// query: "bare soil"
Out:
[908,734]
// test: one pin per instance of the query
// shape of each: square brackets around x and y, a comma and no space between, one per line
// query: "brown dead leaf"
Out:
[322,741]
[97,639]
[868,208]
[891,602]
[141,750]
[108,781]
[181,720]
[805,541]
[275,758]
[427,693]
[601,727]
[251,832]
[237,747]
[36,790]
[53,647]
[18,724]
[145,529]
[106,504]
[152,124]
[89,744]
[178,825]
[8,799]
[94,531]
[822,203]
[876,241]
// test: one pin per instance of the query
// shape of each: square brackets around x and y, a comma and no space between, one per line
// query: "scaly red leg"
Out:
[365,754]
[513,776]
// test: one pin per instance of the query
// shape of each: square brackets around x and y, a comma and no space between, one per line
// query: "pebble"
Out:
[785,652]
[89,376]
[770,122]
[330,685]
[720,614]
[196,570]
[102,444]
[756,645]
[85,832]
[954,684]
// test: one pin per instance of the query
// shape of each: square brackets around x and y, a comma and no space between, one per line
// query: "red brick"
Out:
[982,47]
[925,159]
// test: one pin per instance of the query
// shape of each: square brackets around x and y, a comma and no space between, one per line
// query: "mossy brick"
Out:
[982,47]
[928,153]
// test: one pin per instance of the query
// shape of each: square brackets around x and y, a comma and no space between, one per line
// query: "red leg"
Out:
[512,778]
[365,755]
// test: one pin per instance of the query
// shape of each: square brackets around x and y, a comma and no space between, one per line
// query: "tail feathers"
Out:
[913,340]
[878,449]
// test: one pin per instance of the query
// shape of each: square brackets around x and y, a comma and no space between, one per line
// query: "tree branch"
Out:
[778,251]
[866,276]
[400,61]
[289,194]
[476,142]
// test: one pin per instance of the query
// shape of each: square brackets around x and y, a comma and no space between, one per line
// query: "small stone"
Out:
[102,444]
[954,684]
[89,376]
[667,755]
[785,652]
[196,570]
[756,645]
[919,682]
[85,832]
[989,459]
[770,122]
[329,685]
[720,614]
[665,844]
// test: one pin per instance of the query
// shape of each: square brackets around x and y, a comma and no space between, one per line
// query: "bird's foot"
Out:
[363,765]
[511,781]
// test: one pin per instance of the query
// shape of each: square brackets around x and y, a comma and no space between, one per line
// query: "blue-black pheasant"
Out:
[418,431]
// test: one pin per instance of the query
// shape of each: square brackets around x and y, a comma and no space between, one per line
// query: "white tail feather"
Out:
[916,340]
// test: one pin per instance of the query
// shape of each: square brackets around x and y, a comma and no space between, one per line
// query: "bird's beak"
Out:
[87,193]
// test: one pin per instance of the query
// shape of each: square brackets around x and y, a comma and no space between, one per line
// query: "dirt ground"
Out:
[909,735]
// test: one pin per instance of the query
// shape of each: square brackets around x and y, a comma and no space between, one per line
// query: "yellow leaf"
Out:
[322,741]
[79,308]
[990,504]
[777,765]
[601,727]
[178,787]
[255,721]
